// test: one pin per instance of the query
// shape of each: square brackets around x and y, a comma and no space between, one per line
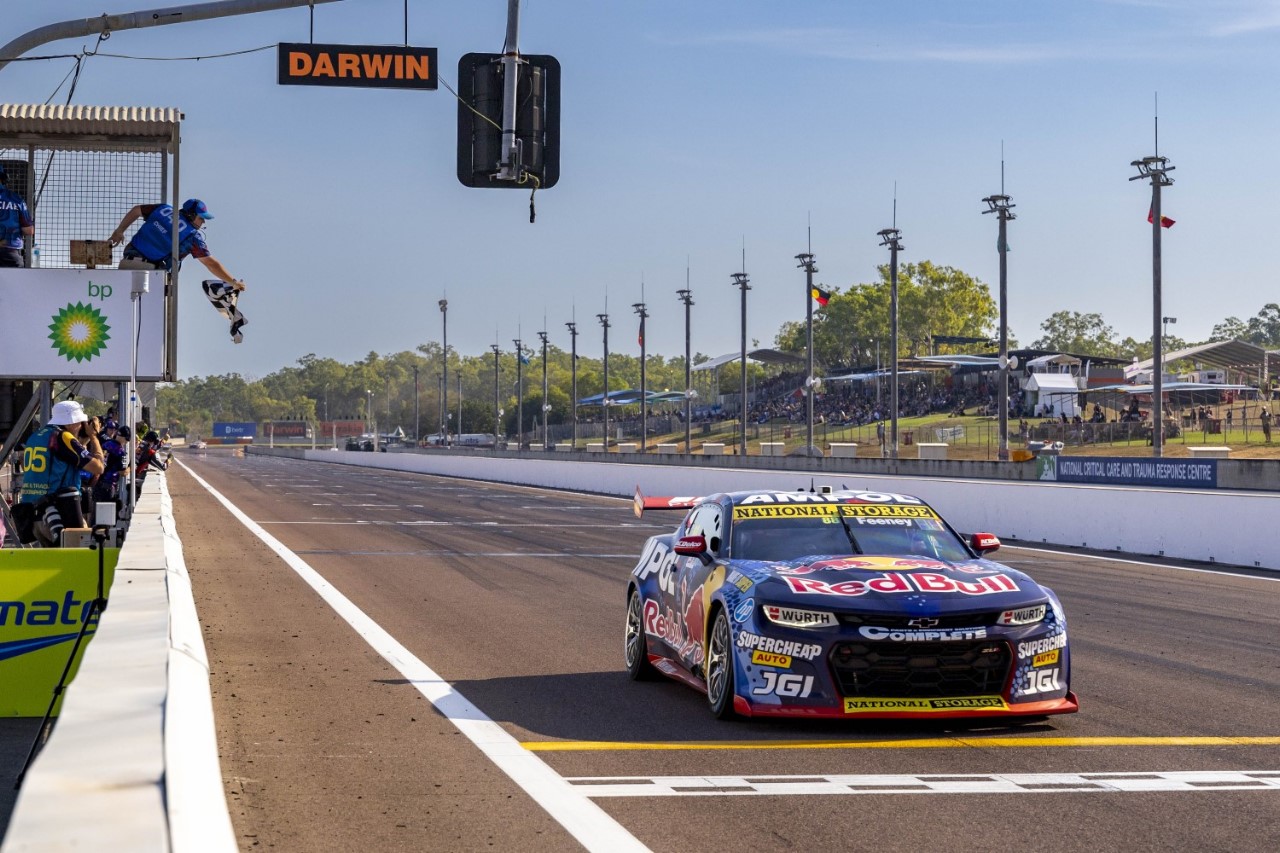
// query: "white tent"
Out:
[1057,390]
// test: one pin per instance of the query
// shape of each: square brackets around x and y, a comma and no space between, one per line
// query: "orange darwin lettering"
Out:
[348,65]
[324,66]
[299,64]
[417,66]
[376,64]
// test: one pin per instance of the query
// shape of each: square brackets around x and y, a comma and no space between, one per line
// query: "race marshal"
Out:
[365,66]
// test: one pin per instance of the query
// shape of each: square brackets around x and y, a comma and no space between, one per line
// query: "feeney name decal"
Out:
[896,582]
[365,66]
[927,706]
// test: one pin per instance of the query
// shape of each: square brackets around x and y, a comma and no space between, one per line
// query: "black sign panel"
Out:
[363,66]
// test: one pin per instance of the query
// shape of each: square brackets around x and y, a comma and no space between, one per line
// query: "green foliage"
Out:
[1081,334]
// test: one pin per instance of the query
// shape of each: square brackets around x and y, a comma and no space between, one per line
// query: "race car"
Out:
[841,604]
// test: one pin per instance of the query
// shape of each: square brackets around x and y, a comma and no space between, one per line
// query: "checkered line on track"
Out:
[994,783]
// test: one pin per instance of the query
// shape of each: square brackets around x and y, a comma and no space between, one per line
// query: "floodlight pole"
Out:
[1166,321]
[417,423]
[686,296]
[546,407]
[496,416]
[807,264]
[642,312]
[573,369]
[520,395]
[604,402]
[1155,169]
[444,372]
[1000,206]
[892,238]
[741,281]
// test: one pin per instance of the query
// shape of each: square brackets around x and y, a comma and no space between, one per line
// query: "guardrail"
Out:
[133,761]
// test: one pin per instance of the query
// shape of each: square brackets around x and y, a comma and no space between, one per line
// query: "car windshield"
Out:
[790,538]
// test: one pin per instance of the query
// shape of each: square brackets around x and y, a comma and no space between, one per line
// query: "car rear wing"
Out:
[642,503]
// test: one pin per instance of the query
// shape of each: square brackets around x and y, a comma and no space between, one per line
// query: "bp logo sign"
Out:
[79,332]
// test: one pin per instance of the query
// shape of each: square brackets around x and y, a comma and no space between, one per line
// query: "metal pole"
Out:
[604,403]
[741,281]
[546,407]
[458,428]
[81,27]
[1000,206]
[573,368]
[444,371]
[806,263]
[1156,168]
[644,381]
[496,416]
[892,238]
[686,296]
[519,394]
[417,421]
[509,166]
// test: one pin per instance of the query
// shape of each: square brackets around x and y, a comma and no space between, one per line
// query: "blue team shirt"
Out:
[14,216]
[51,463]
[154,240]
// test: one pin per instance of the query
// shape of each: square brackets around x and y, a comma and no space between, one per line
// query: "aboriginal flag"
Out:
[823,296]
[1165,222]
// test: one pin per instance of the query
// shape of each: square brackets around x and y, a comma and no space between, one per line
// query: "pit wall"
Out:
[1221,526]
[133,761]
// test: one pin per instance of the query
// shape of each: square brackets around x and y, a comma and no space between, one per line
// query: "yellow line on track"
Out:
[923,743]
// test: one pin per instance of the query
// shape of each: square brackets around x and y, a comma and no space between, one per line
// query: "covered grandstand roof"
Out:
[1237,355]
[764,356]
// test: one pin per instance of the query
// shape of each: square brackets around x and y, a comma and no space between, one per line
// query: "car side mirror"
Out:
[984,543]
[691,546]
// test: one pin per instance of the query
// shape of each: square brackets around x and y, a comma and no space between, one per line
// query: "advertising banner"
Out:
[1127,471]
[44,597]
[78,324]
[233,433]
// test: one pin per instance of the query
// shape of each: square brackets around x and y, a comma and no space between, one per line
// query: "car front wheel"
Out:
[720,669]
[635,651]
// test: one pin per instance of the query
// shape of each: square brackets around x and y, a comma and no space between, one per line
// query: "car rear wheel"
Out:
[720,668]
[635,651]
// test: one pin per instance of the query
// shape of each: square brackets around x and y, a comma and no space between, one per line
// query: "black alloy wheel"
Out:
[635,651]
[719,668]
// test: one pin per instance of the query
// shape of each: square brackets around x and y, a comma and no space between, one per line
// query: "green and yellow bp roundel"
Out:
[79,332]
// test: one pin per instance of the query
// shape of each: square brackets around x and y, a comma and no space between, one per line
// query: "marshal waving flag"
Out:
[823,296]
[1165,222]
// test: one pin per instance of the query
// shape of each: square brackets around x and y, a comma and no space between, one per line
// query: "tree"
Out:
[1082,334]
[1230,329]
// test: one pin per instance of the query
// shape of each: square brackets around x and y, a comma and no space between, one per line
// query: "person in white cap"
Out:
[51,464]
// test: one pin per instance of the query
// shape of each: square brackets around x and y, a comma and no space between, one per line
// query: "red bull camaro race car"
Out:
[841,604]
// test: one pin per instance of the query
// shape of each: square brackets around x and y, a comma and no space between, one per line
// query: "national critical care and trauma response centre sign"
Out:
[364,66]
[1127,471]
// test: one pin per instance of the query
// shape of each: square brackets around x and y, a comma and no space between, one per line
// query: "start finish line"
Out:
[1127,471]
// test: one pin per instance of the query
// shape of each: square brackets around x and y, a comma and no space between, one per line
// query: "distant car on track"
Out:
[842,604]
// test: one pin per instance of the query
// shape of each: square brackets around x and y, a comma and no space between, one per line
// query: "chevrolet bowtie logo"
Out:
[924,622]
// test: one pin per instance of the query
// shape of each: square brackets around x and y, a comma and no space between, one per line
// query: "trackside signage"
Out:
[362,66]
[1121,470]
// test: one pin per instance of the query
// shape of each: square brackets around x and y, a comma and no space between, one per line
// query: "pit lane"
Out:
[515,597]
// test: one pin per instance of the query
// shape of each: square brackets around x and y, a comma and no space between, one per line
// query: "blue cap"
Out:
[195,207]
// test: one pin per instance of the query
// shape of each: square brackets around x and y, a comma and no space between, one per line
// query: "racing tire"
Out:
[635,650]
[719,668]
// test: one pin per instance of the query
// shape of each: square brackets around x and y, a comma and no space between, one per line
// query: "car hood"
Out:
[894,584]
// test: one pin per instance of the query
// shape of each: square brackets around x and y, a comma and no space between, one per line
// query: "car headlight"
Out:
[794,617]
[1022,616]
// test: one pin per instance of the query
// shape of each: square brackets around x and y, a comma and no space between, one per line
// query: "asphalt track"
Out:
[513,598]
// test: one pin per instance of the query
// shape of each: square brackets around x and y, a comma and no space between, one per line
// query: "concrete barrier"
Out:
[712,448]
[595,447]
[1220,452]
[1134,520]
[564,446]
[840,450]
[931,450]
[667,448]
[628,447]
[133,761]
[773,448]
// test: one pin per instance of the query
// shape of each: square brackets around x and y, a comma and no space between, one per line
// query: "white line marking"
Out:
[569,806]
[1224,571]
[956,783]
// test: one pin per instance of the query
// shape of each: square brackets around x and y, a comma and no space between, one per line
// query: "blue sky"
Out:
[691,129]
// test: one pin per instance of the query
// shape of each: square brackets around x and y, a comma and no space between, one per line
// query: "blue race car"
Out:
[841,604]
